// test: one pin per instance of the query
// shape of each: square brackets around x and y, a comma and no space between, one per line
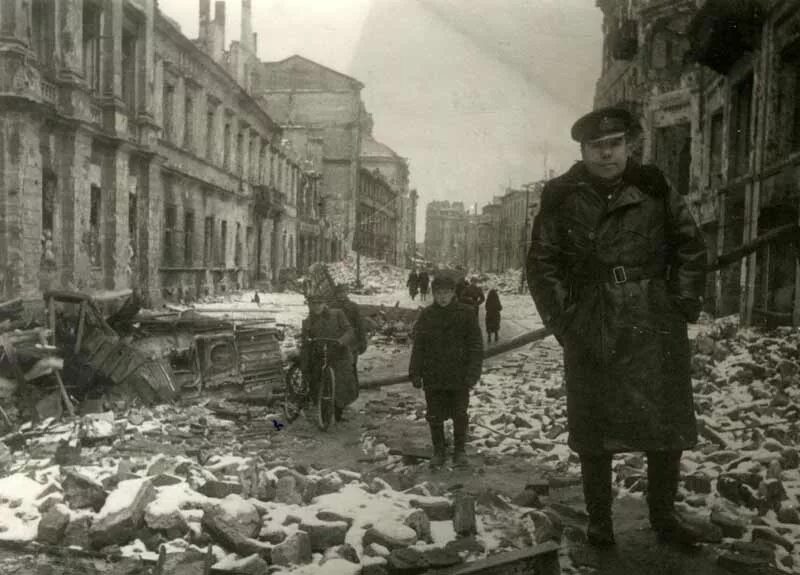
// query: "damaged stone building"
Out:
[715,86]
[133,157]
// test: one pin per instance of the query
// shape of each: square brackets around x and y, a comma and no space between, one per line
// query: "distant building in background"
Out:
[444,232]
[494,240]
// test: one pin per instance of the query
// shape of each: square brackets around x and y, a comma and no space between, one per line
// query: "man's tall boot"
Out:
[663,474]
[460,428]
[596,476]
[437,438]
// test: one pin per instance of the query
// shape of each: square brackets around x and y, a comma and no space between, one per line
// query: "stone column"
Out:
[115,218]
[20,204]
[70,25]
[112,49]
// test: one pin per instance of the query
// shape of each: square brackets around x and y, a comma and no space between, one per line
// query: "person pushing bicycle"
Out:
[326,323]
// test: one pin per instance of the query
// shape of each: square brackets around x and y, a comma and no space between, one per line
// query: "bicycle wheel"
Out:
[326,399]
[295,393]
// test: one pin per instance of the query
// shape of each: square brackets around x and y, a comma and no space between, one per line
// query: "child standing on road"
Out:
[493,308]
[446,361]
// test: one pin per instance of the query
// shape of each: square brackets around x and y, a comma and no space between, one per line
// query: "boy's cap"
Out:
[443,280]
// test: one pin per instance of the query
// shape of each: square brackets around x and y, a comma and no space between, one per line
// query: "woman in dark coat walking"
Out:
[493,308]
[616,269]
[412,283]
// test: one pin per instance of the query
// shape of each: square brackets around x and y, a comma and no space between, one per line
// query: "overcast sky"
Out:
[476,94]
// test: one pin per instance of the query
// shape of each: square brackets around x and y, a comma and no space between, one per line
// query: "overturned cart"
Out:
[97,360]
[152,356]
[204,352]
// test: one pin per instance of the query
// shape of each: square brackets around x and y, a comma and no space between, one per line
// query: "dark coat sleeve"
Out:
[347,335]
[305,348]
[415,363]
[687,252]
[481,297]
[545,268]
[473,341]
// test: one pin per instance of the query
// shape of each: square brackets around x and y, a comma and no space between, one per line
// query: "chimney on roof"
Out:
[205,20]
[247,27]
[219,30]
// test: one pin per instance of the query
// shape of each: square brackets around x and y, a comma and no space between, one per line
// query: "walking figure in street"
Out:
[424,280]
[616,270]
[412,283]
[493,308]
[446,361]
[472,295]
[356,320]
[325,322]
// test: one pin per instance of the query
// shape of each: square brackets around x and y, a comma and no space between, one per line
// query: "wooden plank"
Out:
[537,560]
[51,310]
[81,327]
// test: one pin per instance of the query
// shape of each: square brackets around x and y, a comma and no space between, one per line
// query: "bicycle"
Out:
[297,391]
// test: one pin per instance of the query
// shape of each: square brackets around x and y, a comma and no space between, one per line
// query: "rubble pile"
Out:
[507,282]
[256,516]
[377,277]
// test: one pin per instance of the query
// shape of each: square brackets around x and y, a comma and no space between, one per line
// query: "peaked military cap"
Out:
[602,123]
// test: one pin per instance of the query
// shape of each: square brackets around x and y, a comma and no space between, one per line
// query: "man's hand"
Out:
[416,381]
[689,307]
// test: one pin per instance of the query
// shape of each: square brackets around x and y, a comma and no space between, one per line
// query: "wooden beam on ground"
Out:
[537,560]
[506,346]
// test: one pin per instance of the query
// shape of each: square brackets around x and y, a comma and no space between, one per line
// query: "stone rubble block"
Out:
[419,522]
[82,492]
[77,532]
[391,534]
[295,550]
[731,524]
[232,521]
[220,489]
[287,491]
[324,534]
[464,515]
[53,524]
[436,508]
[122,513]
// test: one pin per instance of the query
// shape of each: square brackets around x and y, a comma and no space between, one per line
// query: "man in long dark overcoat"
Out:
[615,268]
[446,361]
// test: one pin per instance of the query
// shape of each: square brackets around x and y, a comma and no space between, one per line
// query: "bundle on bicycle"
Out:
[324,376]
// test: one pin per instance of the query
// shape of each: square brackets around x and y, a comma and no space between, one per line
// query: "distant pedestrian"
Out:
[472,294]
[446,361]
[461,285]
[424,281]
[412,283]
[493,308]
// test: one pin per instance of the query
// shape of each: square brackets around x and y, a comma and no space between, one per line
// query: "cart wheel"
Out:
[326,399]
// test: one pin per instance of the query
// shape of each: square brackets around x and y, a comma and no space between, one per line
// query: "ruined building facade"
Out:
[134,157]
[715,86]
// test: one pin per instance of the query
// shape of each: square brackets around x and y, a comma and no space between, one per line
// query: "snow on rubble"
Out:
[742,482]
[257,515]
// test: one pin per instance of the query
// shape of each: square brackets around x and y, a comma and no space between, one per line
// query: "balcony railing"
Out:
[48,92]
[95,114]
[269,202]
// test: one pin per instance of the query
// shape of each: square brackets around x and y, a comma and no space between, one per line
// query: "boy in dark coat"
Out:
[446,361]
[493,308]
